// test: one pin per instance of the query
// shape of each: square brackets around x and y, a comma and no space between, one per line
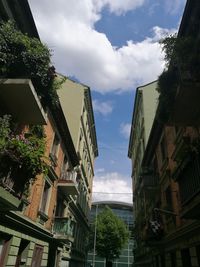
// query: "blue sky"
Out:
[112,46]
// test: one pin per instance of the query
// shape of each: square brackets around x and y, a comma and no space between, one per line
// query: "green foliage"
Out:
[4,130]
[182,56]
[111,235]
[18,151]
[168,44]
[182,53]
[167,85]
[25,57]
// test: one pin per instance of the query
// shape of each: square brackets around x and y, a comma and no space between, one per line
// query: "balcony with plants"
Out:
[26,74]
[21,160]
[179,84]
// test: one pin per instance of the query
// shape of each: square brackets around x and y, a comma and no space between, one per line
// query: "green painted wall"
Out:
[14,244]
[71,96]
[150,102]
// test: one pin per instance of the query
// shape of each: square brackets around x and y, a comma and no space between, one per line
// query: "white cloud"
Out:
[100,170]
[173,6]
[160,33]
[118,6]
[103,108]
[125,129]
[108,186]
[79,50]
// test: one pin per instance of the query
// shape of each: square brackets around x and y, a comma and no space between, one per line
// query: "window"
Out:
[60,208]
[162,260]
[198,254]
[45,197]
[168,197]
[65,169]
[173,258]
[186,259]
[55,146]
[37,256]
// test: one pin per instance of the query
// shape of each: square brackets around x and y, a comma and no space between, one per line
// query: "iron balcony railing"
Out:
[13,182]
[64,227]
[68,175]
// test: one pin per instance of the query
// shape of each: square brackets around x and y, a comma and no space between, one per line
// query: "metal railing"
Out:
[64,226]
[68,175]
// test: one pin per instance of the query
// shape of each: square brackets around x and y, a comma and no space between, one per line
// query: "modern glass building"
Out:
[125,212]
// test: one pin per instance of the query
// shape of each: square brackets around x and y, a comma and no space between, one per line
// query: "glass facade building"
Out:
[125,212]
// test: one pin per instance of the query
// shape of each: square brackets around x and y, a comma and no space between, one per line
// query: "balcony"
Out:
[11,189]
[189,185]
[63,229]
[68,183]
[149,183]
[19,98]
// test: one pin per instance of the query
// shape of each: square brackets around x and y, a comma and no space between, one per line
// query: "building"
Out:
[145,105]
[75,99]
[125,212]
[167,223]
[43,200]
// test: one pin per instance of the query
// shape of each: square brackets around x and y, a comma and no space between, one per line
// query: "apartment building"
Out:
[43,198]
[75,99]
[167,224]
[145,105]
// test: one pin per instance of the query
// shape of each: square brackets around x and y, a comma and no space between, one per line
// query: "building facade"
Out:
[76,103]
[167,219]
[43,208]
[125,212]
[145,105]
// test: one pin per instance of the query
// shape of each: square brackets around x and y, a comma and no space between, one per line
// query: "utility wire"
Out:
[110,193]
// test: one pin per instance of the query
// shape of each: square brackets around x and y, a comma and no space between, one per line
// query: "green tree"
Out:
[111,235]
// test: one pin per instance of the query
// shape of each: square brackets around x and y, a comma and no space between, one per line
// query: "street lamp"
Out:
[95,236]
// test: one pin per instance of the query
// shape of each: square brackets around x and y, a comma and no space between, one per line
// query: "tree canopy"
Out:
[111,235]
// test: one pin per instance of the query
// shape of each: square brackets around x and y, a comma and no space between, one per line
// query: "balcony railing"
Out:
[68,175]
[68,183]
[12,188]
[189,181]
[64,228]
[150,181]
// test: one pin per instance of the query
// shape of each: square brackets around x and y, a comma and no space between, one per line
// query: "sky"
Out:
[113,47]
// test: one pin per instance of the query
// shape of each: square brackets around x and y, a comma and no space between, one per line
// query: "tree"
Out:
[111,235]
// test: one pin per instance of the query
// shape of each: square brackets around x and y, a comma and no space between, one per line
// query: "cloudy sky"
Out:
[112,46]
